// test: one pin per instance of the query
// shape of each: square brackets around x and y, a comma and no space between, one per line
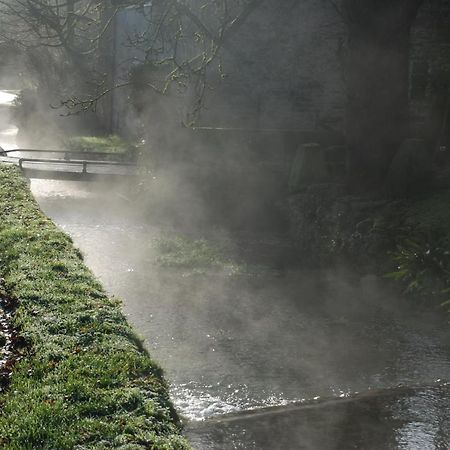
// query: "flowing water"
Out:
[271,358]
[275,358]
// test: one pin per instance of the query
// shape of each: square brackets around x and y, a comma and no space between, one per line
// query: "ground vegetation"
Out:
[84,381]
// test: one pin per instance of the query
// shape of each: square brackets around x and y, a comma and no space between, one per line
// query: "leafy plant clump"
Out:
[85,381]
[423,268]
[422,254]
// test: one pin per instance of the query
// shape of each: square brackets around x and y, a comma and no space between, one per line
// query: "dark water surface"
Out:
[397,419]
[323,352]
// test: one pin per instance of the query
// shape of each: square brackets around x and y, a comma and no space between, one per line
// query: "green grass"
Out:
[111,143]
[85,382]
[184,253]
[201,257]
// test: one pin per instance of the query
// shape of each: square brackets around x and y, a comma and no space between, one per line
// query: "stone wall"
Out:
[282,70]
[289,74]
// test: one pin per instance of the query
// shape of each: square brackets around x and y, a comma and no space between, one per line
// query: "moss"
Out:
[85,382]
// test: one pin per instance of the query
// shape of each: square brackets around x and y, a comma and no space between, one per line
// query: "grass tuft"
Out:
[181,252]
[111,143]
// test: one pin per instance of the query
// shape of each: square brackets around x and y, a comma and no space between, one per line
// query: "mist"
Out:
[251,345]
[277,221]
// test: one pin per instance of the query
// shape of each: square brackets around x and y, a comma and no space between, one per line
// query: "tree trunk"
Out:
[105,66]
[377,72]
[71,22]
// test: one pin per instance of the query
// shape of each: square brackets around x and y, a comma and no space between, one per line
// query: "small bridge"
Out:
[70,165]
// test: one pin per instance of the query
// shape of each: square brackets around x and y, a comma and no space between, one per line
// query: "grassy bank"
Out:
[110,144]
[85,382]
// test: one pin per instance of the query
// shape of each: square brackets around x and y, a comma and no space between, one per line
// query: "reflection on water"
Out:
[233,344]
[416,420]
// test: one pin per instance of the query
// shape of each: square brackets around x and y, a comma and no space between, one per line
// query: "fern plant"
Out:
[423,267]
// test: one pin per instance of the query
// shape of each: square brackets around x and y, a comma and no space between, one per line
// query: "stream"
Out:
[286,359]
[271,358]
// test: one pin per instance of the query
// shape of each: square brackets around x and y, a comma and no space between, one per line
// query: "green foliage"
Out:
[111,143]
[422,255]
[423,268]
[201,256]
[198,255]
[430,215]
[85,382]
[182,252]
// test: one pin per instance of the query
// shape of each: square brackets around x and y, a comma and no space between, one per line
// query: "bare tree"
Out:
[179,48]
[185,41]
[58,37]
[181,45]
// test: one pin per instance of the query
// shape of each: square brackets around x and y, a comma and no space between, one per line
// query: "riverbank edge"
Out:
[85,381]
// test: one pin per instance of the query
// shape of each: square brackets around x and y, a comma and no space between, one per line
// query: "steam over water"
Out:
[338,345]
[275,359]
[8,131]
